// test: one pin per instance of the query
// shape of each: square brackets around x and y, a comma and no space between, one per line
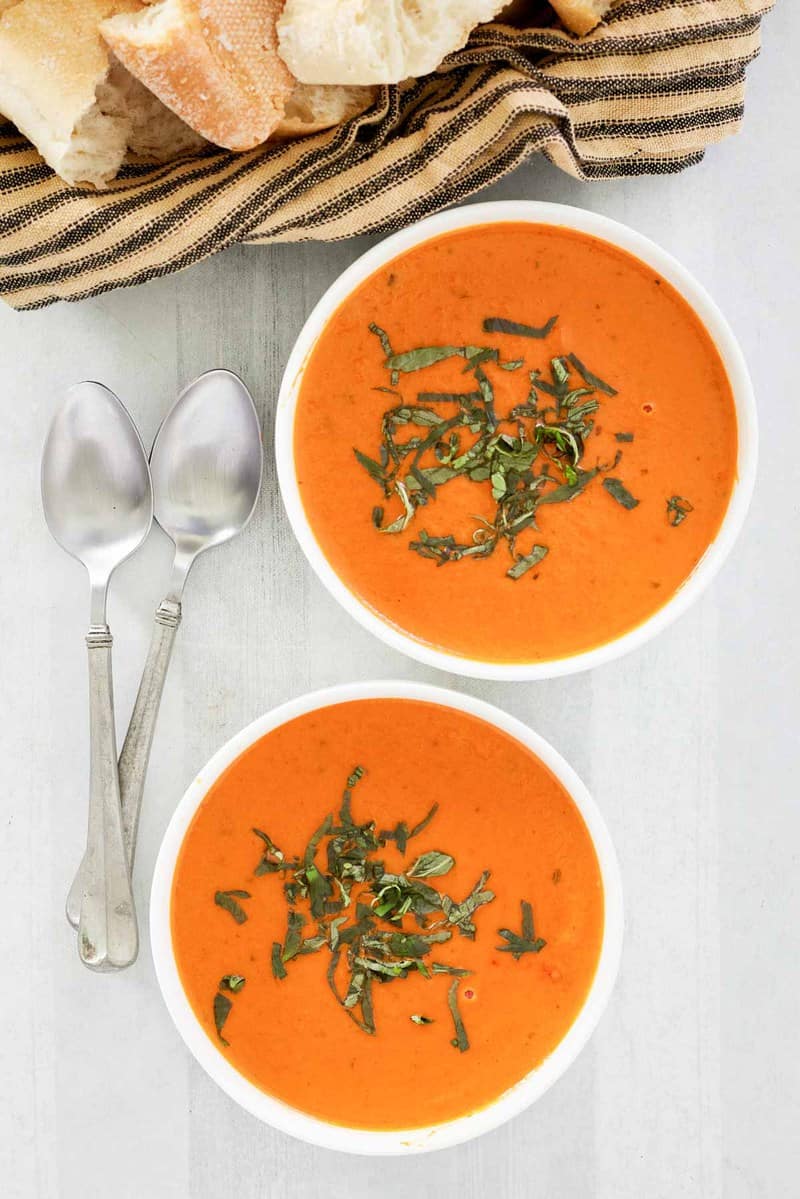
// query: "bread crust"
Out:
[53,69]
[213,62]
[581,16]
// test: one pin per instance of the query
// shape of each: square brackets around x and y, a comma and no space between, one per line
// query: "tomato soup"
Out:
[515,442]
[459,913]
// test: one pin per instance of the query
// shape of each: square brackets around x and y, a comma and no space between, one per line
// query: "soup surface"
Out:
[427,1044]
[498,513]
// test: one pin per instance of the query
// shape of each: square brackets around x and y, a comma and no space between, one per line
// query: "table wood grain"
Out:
[690,1086]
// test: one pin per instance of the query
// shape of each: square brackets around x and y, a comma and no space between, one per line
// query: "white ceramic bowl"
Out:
[308,1128]
[540,213]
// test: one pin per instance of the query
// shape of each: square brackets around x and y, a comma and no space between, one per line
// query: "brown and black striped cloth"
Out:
[644,94]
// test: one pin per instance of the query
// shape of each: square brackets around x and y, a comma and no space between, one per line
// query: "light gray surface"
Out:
[690,1086]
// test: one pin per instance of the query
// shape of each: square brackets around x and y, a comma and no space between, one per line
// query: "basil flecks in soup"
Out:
[528,424]
[403,934]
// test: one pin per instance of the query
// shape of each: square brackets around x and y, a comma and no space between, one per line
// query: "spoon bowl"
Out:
[206,464]
[96,492]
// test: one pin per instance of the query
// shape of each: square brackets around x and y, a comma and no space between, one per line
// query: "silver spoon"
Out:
[206,465]
[98,503]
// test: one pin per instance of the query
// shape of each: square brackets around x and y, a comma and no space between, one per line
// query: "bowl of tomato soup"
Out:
[386,917]
[516,440]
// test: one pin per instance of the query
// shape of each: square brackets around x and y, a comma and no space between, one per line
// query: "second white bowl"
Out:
[400,1141]
[585,222]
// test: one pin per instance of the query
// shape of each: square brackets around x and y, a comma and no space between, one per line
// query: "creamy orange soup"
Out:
[427,1046]
[645,482]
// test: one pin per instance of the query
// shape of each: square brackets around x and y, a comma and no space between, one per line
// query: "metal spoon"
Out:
[206,465]
[98,503]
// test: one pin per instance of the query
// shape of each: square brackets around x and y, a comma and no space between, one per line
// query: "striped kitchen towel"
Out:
[644,94]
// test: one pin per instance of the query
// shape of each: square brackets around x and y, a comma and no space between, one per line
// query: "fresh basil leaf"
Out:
[373,468]
[617,489]
[227,900]
[293,941]
[232,982]
[528,942]
[419,359]
[678,508]
[527,562]
[278,969]
[461,1040]
[222,1008]
[431,865]
[589,378]
[497,324]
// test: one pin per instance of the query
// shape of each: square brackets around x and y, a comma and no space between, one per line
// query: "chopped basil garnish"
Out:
[532,456]
[460,1040]
[431,865]
[620,493]
[496,324]
[232,982]
[527,942]
[222,1008]
[228,901]
[377,926]
[678,509]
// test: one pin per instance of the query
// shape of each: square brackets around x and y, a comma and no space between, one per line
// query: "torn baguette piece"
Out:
[54,85]
[314,107]
[375,41]
[155,133]
[213,62]
[81,109]
[581,16]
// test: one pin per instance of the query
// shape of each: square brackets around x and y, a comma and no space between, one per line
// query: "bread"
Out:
[61,88]
[313,107]
[199,71]
[375,41]
[581,16]
[53,73]
[155,132]
[213,62]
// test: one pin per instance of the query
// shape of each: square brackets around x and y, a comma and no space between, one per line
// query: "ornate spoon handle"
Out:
[138,741]
[108,938]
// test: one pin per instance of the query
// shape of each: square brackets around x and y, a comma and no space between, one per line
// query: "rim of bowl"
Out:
[309,1128]
[625,238]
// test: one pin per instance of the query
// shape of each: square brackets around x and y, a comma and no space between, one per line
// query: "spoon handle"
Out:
[107,933]
[138,741]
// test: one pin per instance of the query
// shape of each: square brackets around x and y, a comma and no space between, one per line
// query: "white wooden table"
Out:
[690,1086]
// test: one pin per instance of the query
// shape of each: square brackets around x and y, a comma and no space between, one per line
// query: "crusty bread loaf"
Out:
[213,62]
[313,107]
[375,41]
[81,110]
[53,85]
[581,16]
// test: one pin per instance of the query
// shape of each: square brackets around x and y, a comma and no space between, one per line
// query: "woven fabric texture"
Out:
[646,93]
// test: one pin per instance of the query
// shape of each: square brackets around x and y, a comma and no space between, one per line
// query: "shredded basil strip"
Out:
[497,324]
[620,493]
